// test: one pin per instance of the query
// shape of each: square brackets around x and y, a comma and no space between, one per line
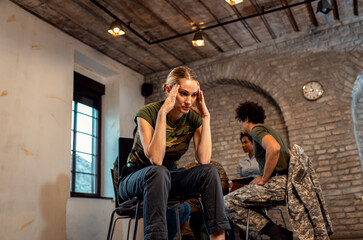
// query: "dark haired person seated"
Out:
[248,167]
[272,155]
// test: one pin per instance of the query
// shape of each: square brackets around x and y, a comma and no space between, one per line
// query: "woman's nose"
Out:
[188,99]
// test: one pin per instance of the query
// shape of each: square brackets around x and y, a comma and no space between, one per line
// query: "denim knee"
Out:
[158,175]
[210,171]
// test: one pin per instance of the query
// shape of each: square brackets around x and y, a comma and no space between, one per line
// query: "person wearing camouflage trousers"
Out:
[272,155]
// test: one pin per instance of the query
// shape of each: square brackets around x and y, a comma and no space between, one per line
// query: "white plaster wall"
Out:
[36,91]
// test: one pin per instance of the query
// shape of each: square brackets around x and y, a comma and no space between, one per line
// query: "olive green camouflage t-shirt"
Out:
[257,133]
[178,136]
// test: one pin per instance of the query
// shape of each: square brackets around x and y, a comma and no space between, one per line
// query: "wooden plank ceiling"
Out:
[251,22]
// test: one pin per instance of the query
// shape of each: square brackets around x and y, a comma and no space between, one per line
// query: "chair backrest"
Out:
[124,149]
[115,184]
[125,146]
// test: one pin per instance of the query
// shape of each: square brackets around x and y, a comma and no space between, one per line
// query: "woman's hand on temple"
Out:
[200,106]
[170,100]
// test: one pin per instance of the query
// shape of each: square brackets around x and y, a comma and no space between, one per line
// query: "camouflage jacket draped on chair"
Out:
[306,205]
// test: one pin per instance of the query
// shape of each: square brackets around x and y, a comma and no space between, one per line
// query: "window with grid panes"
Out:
[86,135]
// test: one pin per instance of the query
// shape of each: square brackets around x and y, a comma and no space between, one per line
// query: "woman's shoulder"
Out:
[149,112]
[153,107]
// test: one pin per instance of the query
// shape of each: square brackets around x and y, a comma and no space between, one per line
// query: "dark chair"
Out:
[126,209]
[132,209]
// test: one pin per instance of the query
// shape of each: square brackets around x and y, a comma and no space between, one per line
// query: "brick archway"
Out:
[247,72]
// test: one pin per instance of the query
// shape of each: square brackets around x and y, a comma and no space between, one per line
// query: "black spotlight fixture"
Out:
[116,29]
[323,7]
[198,40]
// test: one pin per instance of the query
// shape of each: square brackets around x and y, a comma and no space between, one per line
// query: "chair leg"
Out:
[282,215]
[114,226]
[110,226]
[248,222]
[266,211]
[128,229]
[136,219]
[177,221]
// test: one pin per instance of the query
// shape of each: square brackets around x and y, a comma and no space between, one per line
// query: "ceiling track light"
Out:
[116,29]
[233,2]
[323,7]
[219,24]
[198,39]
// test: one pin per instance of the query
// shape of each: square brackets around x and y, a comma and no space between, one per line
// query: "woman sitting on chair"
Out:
[164,131]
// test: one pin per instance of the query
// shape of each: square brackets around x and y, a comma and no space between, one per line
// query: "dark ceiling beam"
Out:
[355,7]
[164,24]
[264,20]
[290,16]
[181,12]
[217,20]
[128,26]
[312,17]
[334,7]
[205,27]
[142,48]
[245,24]
[146,50]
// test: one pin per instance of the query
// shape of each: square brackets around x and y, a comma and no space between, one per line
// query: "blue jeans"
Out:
[184,211]
[155,183]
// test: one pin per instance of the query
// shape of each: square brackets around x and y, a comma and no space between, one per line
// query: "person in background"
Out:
[164,131]
[248,167]
[273,156]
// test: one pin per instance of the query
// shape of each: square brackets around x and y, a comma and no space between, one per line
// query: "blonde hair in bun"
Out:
[177,74]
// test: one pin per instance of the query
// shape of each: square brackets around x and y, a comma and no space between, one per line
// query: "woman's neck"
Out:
[174,116]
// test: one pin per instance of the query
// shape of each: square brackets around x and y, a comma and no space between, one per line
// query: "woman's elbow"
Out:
[204,159]
[154,159]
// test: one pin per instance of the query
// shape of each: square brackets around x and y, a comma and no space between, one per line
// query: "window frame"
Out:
[86,87]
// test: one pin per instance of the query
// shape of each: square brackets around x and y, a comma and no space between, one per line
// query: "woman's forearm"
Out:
[156,149]
[205,145]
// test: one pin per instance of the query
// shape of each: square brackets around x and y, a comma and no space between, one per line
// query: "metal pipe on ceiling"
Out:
[193,31]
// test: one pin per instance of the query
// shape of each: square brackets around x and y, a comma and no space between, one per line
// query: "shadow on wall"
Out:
[357,112]
[53,198]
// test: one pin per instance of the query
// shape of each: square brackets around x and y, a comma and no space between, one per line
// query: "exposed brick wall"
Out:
[273,73]
[222,101]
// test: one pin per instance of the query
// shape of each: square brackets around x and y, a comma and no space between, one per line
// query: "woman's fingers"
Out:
[201,107]
[170,100]
[174,90]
